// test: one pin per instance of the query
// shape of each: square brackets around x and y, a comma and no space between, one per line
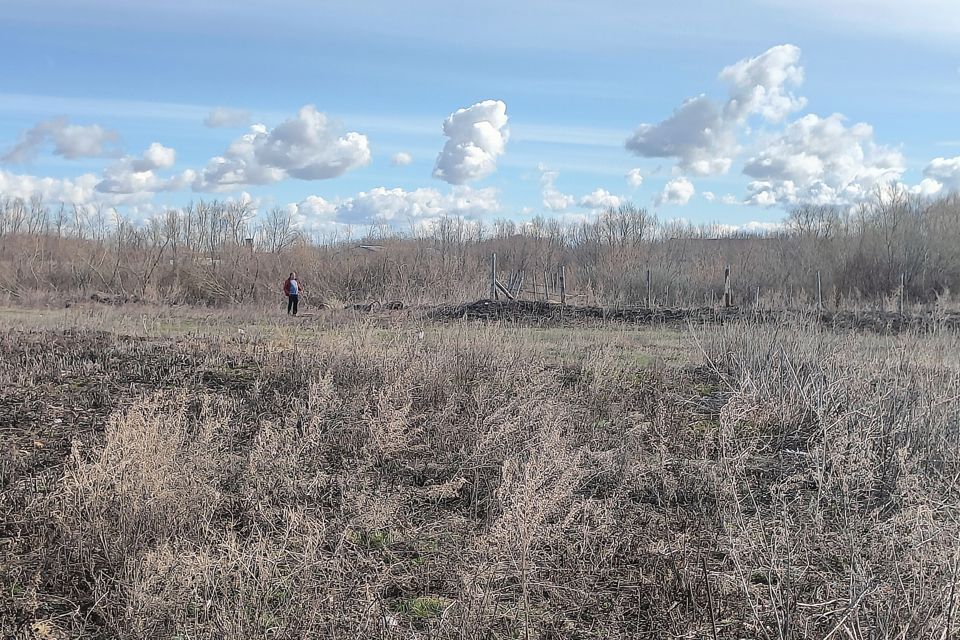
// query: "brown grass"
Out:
[345,479]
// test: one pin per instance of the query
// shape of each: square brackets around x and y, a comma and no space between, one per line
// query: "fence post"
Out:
[726,287]
[563,285]
[758,298]
[494,294]
[546,289]
[649,292]
[903,291]
[819,293]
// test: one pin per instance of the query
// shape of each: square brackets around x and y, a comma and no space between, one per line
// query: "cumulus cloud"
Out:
[401,159]
[552,198]
[754,227]
[946,171]
[600,199]
[760,85]
[155,157]
[709,196]
[129,181]
[814,159]
[927,188]
[678,191]
[135,178]
[399,206]
[696,134]
[559,202]
[702,134]
[477,136]
[306,147]
[227,117]
[316,207]
[79,190]
[69,140]
[822,161]
[634,178]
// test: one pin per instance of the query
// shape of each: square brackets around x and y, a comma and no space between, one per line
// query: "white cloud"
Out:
[317,207]
[314,213]
[552,198]
[945,171]
[696,134]
[928,187]
[69,140]
[600,199]
[821,160]
[133,179]
[730,199]
[702,134]
[306,147]
[634,178]
[759,85]
[227,117]
[79,190]
[477,136]
[397,206]
[156,156]
[709,196]
[401,159]
[678,191]
[754,227]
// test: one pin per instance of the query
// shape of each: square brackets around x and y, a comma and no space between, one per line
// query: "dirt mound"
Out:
[539,313]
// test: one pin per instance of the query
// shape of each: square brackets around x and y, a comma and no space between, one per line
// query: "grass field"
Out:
[180,473]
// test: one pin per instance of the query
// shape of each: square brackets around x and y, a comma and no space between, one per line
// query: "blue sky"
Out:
[551,93]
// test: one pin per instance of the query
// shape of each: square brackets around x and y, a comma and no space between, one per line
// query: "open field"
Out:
[181,473]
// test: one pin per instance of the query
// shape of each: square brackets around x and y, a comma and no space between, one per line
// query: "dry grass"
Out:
[352,479]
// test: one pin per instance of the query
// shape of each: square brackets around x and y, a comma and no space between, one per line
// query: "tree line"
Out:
[216,252]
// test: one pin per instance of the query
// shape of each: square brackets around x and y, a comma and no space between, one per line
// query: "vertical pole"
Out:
[903,291]
[546,290]
[494,294]
[758,298]
[563,285]
[649,292]
[819,293]
[726,286]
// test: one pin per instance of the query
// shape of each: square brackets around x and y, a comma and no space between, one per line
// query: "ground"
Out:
[181,473]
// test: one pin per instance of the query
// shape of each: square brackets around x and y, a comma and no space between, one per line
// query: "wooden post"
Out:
[505,291]
[546,289]
[903,291]
[757,303]
[519,283]
[726,287]
[494,294]
[649,292]
[819,293]
[563,285]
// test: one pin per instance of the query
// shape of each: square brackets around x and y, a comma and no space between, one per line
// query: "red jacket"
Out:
[286,287]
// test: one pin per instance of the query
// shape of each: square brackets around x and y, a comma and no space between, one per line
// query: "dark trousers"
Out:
[292,302]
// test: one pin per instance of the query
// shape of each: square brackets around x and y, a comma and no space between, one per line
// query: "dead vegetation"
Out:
[541,313]
[468,484]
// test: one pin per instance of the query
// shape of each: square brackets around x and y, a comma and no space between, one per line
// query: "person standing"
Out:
[291,289]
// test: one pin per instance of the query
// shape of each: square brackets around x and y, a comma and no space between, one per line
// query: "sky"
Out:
[369,112]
